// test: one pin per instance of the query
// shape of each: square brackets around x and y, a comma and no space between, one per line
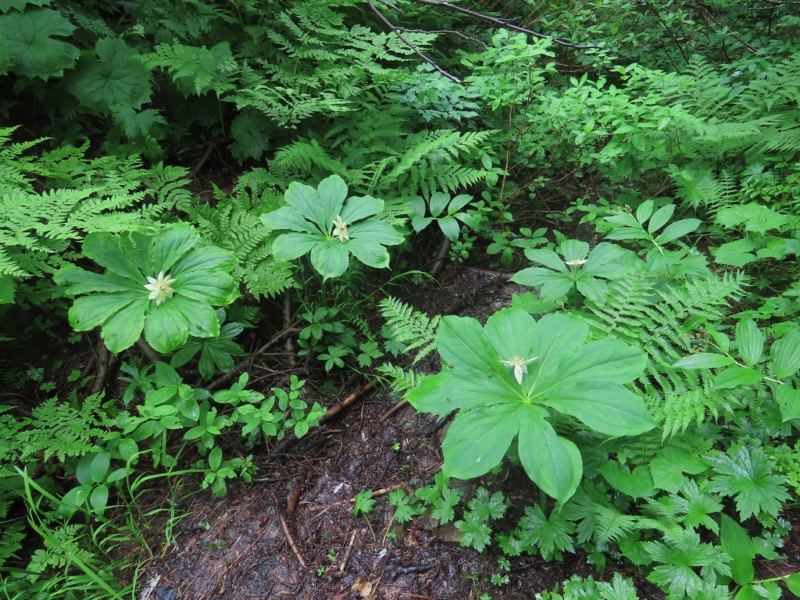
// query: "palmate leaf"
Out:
[553,367]
[746,473]
[114,78]
[30,39]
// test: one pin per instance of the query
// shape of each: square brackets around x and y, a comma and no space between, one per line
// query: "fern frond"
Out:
[642,312]
[234,223]
[65,429]
[410,327]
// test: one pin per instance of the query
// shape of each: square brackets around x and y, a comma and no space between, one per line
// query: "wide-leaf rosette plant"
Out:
[331,226]
[575,268]
[507,377]
[162,284]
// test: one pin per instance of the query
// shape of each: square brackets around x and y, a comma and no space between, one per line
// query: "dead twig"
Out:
[396,408]
[151,354]
[217,383]
[348,552]
[438,261]
[291,542]
[337,408]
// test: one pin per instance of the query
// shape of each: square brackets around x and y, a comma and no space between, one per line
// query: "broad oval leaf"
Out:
[329,258]
[607,407]
[736,376]
[553,463]
[660,218]
[786,354]
[678,229]
[104,249]
[478,439]
[750,340]
[704,360]
[290,246]
[166,328]
[125,327]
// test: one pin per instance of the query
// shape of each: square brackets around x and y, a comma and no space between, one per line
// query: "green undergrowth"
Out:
[634,171]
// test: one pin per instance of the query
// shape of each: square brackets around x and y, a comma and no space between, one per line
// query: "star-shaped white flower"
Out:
[340,229]
[520,366]
[159,287]
[575,261]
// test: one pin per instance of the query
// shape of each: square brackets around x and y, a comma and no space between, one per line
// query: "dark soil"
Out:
[240,546]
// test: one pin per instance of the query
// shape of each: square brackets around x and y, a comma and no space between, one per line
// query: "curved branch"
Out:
[502,23]
[408,43]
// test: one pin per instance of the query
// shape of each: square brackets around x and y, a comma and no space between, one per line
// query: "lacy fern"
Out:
[663,321]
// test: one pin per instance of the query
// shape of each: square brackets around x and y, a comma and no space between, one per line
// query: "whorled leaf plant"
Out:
[162,284]
[331,226]
[505,378]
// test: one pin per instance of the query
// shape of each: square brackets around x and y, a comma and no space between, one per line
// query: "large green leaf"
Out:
[478,440]
[202,318]
[79,281]
[552,285]
[464,345]
[30,38]
[360,207]
[286,217]
[329,258]
[704,360]
[786,354]
[166,327]
[88,312]
[553,463]
[445,392]
[606,360]
[173,243]
[289,246]
[605,407]
[125,327]
[114,78]
[105,250]
[740,547]
[750,340]
[503,328]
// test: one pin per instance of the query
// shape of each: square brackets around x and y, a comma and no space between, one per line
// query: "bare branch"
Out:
[408,43]
[502,23]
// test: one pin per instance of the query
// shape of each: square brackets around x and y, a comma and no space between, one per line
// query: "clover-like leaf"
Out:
[326,224]
[504,377]
[161,284]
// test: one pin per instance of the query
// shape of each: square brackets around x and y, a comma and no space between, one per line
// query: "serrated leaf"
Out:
[116,77]
[30,38]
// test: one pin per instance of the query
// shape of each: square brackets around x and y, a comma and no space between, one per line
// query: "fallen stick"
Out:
[348,552]
[290,541]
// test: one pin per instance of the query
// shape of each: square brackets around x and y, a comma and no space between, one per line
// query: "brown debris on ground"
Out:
[292,533]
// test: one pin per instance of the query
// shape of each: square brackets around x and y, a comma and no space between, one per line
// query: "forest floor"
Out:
[291,533]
